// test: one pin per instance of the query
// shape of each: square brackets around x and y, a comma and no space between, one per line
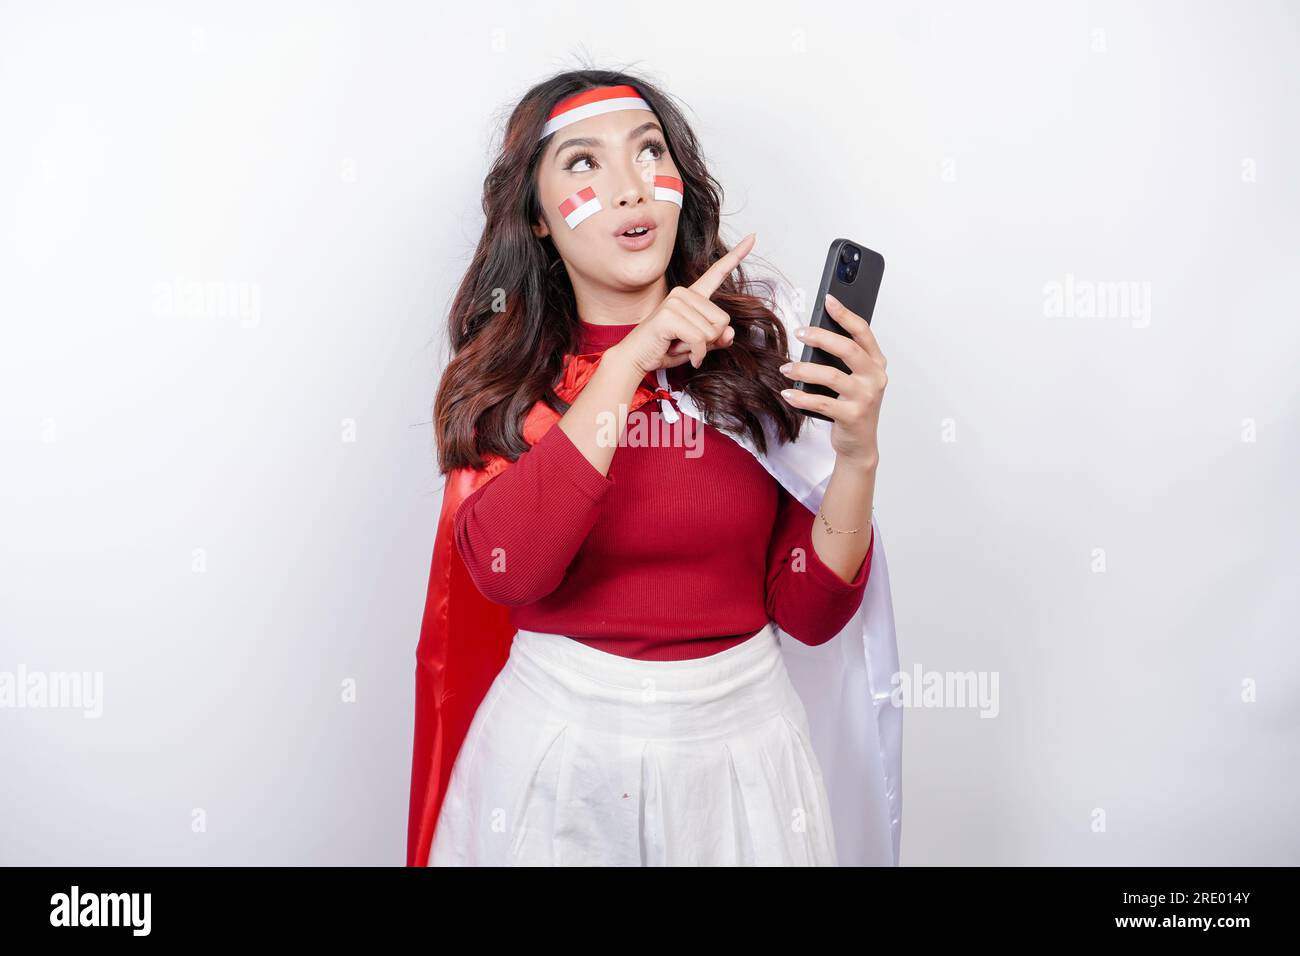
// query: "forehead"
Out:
[607,129]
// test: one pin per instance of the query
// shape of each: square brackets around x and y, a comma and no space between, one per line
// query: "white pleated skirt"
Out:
[578,757]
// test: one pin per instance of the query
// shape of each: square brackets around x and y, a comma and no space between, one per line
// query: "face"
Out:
[593,189]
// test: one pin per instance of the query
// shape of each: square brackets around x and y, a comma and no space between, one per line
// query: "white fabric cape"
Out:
[845,684]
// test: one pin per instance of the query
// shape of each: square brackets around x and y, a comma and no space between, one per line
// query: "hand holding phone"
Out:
[852,275]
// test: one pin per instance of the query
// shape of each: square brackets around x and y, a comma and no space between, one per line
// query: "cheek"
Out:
[576,209]
[669,189]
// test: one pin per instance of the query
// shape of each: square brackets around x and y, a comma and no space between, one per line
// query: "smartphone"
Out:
[852,274]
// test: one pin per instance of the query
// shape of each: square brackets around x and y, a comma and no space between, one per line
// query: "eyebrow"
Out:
[596,140]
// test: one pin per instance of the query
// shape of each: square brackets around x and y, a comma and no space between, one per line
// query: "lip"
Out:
[633,222]
[636,243]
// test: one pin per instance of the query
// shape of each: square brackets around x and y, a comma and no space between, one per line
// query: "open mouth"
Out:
[636,238]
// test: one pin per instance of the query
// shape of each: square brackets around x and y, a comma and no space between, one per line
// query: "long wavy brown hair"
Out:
[514,315]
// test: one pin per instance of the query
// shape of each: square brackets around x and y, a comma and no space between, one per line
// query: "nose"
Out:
[636,187]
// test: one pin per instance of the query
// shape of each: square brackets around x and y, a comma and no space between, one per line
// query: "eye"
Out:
[579,158]
[654,145]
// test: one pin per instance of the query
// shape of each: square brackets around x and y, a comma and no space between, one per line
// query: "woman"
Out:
[620,444]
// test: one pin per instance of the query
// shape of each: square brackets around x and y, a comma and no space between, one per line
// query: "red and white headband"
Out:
[603,99]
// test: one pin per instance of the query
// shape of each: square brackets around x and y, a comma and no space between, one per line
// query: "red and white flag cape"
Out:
[845,684]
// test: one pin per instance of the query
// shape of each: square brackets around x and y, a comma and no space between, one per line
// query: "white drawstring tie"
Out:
[666,409]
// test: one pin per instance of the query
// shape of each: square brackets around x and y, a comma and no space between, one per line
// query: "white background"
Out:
[326,162]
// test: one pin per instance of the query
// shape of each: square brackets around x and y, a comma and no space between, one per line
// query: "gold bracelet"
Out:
[829,529]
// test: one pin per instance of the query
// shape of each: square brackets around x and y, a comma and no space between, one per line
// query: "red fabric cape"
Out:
[464,637]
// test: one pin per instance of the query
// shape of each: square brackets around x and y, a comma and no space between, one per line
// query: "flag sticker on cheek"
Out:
[579,206]
[669,189]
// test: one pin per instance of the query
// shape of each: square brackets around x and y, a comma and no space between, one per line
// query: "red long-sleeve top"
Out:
[687,547]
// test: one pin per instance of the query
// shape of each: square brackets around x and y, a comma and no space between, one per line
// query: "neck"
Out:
[603,306]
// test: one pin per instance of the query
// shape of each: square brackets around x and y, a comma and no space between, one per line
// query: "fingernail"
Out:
[831,299]
[787,366]
[800,332]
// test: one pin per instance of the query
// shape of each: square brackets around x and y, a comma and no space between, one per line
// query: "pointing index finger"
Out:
[708,283]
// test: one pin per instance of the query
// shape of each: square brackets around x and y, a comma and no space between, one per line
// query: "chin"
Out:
[643,272]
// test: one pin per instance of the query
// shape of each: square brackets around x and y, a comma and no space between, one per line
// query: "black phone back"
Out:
[852,274]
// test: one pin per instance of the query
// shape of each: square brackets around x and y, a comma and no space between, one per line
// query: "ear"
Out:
[540,229]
